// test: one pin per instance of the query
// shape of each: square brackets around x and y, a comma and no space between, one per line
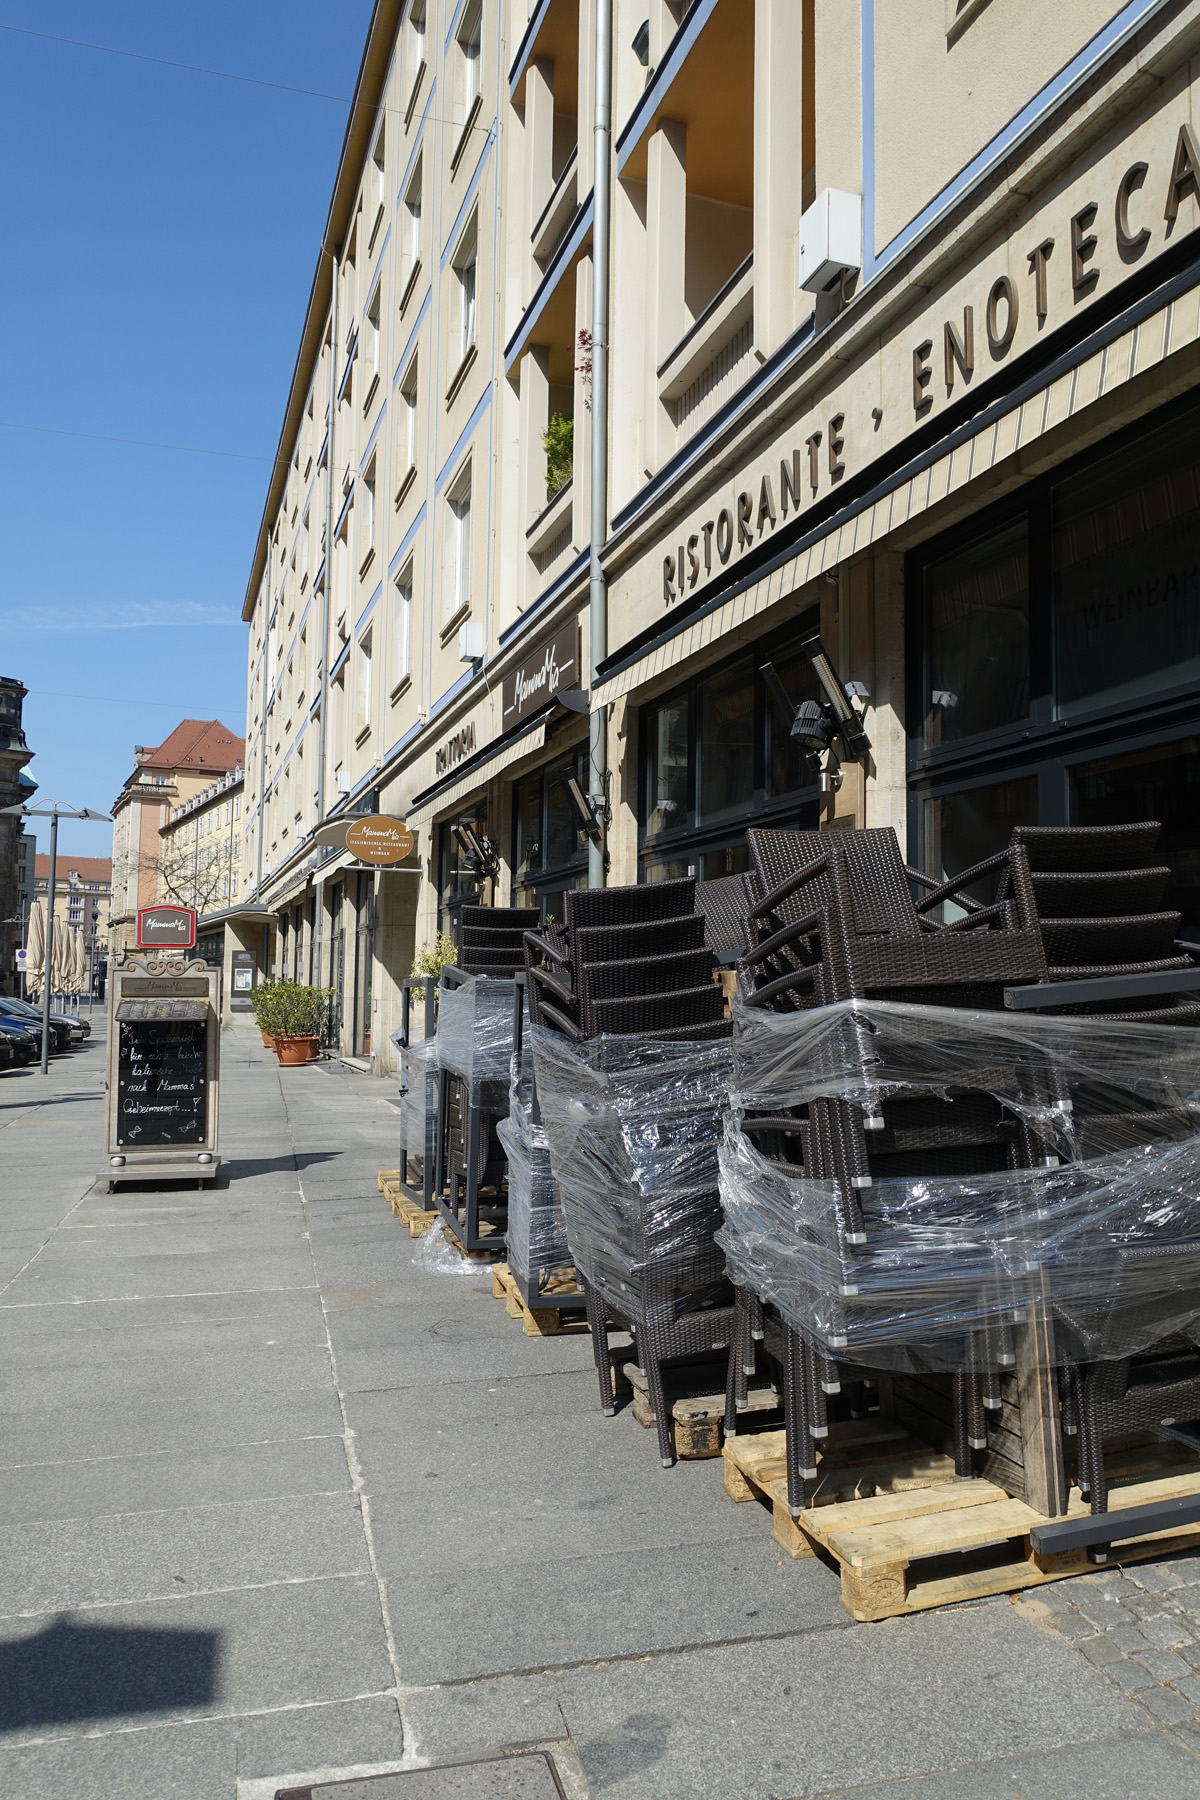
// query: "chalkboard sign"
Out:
[162,1082]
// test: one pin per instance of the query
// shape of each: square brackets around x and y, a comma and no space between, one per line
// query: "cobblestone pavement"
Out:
[1140,1627]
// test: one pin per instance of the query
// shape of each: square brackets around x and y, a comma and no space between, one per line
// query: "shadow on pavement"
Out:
[79,1671]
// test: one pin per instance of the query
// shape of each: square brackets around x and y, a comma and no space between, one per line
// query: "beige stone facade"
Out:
[969,461]
[145,862]
[82,887]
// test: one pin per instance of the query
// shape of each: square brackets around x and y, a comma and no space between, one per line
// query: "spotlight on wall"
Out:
[479,854]
[588,816]
[829,724]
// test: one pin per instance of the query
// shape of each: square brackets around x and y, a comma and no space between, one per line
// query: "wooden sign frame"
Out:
[160,989]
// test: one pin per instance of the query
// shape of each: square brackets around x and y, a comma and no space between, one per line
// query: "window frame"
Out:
[457,585]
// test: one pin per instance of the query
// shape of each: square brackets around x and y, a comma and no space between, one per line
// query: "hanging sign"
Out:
[166,928]
[380,840]
[550,665]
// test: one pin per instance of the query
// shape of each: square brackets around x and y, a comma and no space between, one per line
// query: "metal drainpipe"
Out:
[318,883]
[597,596]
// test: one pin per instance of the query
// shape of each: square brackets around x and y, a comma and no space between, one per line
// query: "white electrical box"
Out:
[344,782]
[470,642]
[830,239]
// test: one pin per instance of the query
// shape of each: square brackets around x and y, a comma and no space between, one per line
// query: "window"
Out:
[977,636]
[371,347]
[362,687]
[466,272]
[470,34]
[368,512]
[406,423]
[456,581]
[414,44]
[716,757]
[549,859]
[378,188]
[410,246]
[237,806]
[341,573]
[402,629]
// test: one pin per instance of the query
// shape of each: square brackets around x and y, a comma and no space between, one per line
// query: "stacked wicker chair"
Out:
[633,963]
[471,1159]
[1098,892]
[837,921]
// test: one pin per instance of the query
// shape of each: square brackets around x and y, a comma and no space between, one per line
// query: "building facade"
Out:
[903,350]
[82,898]
[200,858]
[198,753]
[16,786]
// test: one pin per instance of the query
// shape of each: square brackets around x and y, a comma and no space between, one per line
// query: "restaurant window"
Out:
[717,756]
[549,859]
[1127,573]
[459,883]
[1159,781]
[977,637]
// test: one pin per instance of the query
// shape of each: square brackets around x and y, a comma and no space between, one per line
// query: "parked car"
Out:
[78,1029]
[17,1050]
[21,1025]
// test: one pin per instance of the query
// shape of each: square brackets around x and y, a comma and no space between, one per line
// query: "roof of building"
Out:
[197,744]
[88,868]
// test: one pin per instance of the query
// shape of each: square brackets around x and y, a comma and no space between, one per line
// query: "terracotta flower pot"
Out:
[293,1050]
[268,1041]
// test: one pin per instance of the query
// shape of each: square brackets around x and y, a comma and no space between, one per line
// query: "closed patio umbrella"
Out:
[61,960]
[35,947]
[79,962]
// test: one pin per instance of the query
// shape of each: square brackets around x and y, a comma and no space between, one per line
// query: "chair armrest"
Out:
[543,947]
[567,1026]
[948,890]
[967,901]
[787,888]
[1105,987]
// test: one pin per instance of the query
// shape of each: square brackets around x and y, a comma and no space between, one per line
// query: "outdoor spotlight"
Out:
[850,727]
[478,853]
[814,727]
[587,815]
[819,725]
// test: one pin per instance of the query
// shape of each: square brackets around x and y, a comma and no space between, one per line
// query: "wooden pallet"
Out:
[906,1536]
[404,1209]
[539,1321]
[697,1418]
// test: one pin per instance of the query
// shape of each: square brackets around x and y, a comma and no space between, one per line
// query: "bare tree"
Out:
[193,874]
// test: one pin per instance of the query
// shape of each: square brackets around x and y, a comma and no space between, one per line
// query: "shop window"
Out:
[549,859]
[716,758]
[459,883]
[977,637]
[964,828]
[1127,573]
[1159,782]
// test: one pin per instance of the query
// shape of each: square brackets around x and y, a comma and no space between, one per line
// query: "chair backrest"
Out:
[654,937]
[1081,847]
[724,904]
[646,974]
[880,893]
[500,918]
[591,907]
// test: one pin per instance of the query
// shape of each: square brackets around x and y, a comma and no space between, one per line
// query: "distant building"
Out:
[15,786]
[200,856]
[196,754]
[82,886]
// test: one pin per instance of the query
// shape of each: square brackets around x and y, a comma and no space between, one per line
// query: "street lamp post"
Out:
[53,813]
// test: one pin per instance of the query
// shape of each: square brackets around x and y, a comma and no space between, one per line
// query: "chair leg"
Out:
[964,1462]
[795,1411]
[818,1418]
[731,1379]
[594,1308]
[658,1400]
[741,1350]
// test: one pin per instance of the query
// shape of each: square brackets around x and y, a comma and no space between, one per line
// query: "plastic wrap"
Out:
[436,1255]
[475,1036]
[634,1127]
[418,1098]
[537,1227]
[1105,1246]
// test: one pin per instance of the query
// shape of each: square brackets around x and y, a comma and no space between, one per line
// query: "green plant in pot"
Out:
[297,1012]
[266,1010]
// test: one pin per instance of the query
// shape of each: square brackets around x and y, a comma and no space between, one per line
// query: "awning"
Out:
[1163,324]
[482,770]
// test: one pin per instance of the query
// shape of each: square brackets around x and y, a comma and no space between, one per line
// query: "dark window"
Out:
[964,828]
[717,756]
[1127,573]
[549,857]
[1159,782]
[977,637]
[458,882]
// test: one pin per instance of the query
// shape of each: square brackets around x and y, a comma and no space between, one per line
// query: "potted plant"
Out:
[265,1011]
[296,1015]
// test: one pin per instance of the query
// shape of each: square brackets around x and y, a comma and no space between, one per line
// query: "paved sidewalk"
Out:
[277,1503]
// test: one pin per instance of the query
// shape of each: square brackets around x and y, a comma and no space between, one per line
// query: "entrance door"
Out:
[363,961]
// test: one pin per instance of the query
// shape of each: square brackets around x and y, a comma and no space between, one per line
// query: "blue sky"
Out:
[157,264]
